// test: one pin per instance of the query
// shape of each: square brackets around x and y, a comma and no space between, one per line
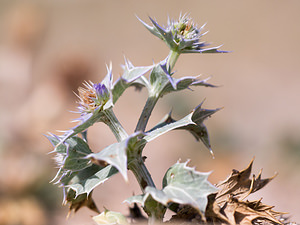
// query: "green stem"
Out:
[114,125]
[136,164]
[152,99]
[172,59]
[154,209]
[148,108]
[138,167]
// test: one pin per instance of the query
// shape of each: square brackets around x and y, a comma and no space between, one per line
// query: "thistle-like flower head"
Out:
[92,96]
[182,36]
[184,28]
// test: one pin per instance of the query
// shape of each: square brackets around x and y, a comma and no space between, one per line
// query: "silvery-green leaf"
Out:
[71,154]
[135,199]
[200,49]
[154,133]
[199,130]
[184,83]
[151,29]
[110,217]
[163,83]
[130,75]
[192,122]
[84,181]
[159,79]
[183,185]
[116,154]
[166,34]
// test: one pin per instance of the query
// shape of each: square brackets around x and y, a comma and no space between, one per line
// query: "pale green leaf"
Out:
[194,123]
[84,181]
[110,217]
[135,199]
[71,154]
[116,154]
[183,185]
[160,130]
[131,76]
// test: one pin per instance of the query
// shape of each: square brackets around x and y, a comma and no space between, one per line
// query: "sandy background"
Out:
[47,49]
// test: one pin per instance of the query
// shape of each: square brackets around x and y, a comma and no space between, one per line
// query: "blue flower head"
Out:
[92,96]
[182,36]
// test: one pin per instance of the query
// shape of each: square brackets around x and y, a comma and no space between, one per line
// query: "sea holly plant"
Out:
[185,191]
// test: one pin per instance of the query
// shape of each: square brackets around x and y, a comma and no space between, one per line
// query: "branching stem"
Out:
[148,108]
[115,125]
[153,98]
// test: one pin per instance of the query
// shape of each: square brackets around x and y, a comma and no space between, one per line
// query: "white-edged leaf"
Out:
[71,154]
[183,185]
[116,154]
[84,181]
[194,123]
[130,75]
[168,127]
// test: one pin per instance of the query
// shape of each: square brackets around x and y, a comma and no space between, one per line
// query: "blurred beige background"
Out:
[48,48]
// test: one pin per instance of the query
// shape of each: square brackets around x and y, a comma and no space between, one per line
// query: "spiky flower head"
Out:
[92,96]
[182,35]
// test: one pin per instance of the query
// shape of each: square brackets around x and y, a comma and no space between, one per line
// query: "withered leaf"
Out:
[213,212]
[247,212]
[77,202]
[239,185]
[186,213]
[228,206]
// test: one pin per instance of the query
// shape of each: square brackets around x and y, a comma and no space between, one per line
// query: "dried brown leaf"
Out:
[228,205]
[213,212]
[244,214]
[81,201]
[239,184]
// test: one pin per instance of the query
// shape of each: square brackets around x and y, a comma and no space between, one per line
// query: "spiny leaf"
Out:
[183,185]
[84,181]
[240,185]
[116,154]
[131,76]
[159,79]
[71,153]
[228,206]
[163,83]
[161,129]
[192,122]
[243,213]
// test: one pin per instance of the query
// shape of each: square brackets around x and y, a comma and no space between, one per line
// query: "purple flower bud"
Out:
[101,91]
